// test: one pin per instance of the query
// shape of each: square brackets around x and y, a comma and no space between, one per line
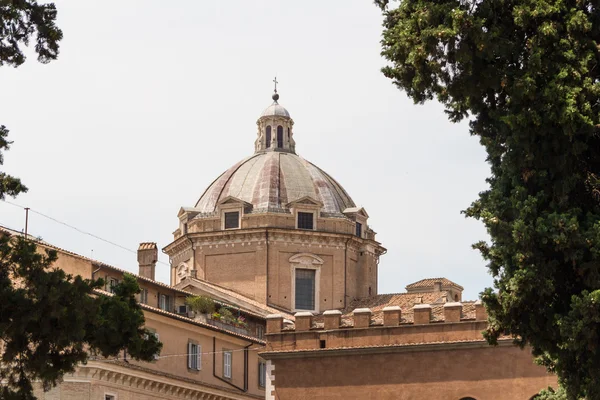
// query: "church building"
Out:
[277,229]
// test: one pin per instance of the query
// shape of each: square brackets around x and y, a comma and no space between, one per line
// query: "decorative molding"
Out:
[140,379]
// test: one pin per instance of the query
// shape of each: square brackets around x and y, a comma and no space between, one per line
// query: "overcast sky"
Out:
[150,101]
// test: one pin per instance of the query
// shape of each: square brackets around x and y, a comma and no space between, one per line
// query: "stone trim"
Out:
[143,380]
[384,349]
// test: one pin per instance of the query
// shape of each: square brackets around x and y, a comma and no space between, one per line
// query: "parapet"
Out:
[450,322]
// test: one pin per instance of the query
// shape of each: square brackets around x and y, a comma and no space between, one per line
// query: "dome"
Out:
[270,180]
[275,110]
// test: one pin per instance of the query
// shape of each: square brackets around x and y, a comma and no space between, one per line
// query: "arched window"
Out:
[268,136]
[280,136]
[467,398]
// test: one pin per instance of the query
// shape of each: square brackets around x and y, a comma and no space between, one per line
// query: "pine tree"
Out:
[526,75]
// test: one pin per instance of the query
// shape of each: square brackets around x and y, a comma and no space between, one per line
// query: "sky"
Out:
[149,101]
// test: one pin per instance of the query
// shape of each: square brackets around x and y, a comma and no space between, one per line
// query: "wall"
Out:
[245,261]
[485,373]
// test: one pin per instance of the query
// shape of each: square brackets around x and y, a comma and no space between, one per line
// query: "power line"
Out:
[98,359]
[77,229]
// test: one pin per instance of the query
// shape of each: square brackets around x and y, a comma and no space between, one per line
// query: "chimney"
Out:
[147,258]
[437,287]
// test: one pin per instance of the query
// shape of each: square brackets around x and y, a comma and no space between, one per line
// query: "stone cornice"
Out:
[143,380]
[386,349]
[275,234]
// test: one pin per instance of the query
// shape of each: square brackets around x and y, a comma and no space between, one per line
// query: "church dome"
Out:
[275,176]
[270,180]
[275,110]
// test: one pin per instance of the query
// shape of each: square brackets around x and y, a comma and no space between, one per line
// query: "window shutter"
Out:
[199,357]
[190,355]
[158,297]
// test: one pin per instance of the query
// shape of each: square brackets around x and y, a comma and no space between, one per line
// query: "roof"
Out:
[147,246]
[429,282]
[275,109]
[189,320]
[229,296]
[406,302]
[271,180]
[97,263]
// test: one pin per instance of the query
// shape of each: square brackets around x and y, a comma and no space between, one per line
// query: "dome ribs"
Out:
[270,180]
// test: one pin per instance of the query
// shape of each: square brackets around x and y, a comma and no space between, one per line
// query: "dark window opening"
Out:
[358,229]
[288,133]
[268,137]
[322,344]
[305,289]
[369,290]
[455,297]
[262,374]
[305,220]
[280,136]
[232,220]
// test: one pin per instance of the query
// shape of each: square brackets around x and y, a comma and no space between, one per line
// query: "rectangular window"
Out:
[112,282]
[260,331]
[232,220]
[164,302]
[227,357]
[194,356]
[262,374]
[358,229]
[157,336]
[144,296]
[110,397]
[305,289]
[305,220]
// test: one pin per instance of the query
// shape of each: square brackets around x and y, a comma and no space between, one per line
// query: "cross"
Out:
[275,80]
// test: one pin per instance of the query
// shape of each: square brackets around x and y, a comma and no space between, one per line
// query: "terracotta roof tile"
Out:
[406,302]
[97,263]
[147,246]
[189,320]
[241,297]
[429,282]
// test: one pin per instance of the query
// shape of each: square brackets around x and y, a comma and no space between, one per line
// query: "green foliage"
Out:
[551,394]
[9,186]
[226,315]
[49,320]
[201,304]
[526,74]
[19,21]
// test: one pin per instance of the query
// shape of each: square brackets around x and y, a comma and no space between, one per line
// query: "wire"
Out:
[97,359]
[78,230]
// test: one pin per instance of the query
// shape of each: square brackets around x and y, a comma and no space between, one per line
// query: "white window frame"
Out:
[306,261]
[194,354]
[262,374]
[164,306]
[144,296]
[227,364]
